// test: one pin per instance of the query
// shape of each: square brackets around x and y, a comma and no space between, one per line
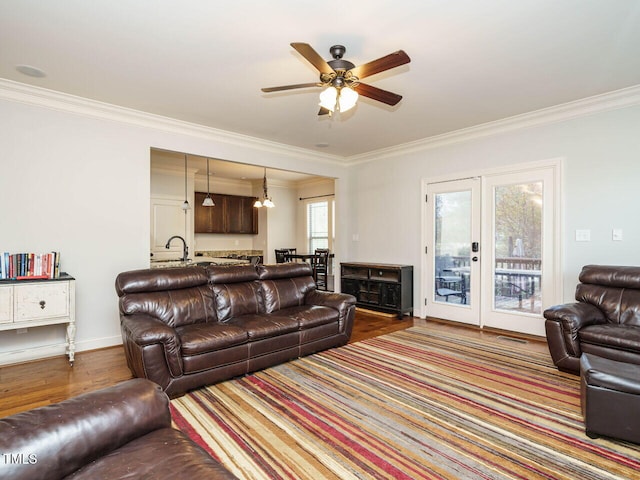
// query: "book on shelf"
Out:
[29,266]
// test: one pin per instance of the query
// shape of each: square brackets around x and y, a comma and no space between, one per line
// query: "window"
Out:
[320,224]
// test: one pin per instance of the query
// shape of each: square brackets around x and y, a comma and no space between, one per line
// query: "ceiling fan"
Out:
[342,78]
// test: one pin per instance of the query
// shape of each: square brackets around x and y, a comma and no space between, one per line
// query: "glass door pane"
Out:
[518,247]
[520,217]
[452,247]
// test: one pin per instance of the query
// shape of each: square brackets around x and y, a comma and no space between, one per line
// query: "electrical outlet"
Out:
[616,235]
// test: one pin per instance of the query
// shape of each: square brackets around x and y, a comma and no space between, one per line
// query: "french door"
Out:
[492,249]
[452,264]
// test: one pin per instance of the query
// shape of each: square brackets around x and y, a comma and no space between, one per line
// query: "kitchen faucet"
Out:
[185,249]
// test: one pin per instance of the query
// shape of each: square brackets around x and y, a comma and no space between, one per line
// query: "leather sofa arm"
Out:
[144,330]
[575,316]
[54,441]
[339,301]
[563,324]
[344,303]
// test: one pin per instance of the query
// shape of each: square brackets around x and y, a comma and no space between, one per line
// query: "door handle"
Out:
[475,247]
[475,259]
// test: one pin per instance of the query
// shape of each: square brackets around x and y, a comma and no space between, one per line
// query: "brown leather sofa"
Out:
[122,431]
[188,327]
[604,322]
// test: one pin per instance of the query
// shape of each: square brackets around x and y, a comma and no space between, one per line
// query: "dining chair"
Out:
[320,265]
[281,254]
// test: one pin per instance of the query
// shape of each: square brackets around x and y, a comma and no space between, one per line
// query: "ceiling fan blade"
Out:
[378,94]
[387,62]
[290,87]
[312,57]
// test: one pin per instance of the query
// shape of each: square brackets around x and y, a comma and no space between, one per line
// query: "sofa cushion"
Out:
[159,279]
[164,453]
[173,307]
[238,299]
[264,326]
[309,316]
[620,305]
[621,337]
[611,276]
[206,337]
[286,292]
[231,273]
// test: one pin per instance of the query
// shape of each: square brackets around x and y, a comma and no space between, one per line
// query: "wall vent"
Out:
[512,339]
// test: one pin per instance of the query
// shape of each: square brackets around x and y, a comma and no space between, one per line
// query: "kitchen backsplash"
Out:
[227,253]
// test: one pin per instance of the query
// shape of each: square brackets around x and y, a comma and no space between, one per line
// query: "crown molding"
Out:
[622,98]
[38,96]
[23,93]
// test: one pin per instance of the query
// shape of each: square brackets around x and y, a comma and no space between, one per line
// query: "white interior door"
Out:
[453,257]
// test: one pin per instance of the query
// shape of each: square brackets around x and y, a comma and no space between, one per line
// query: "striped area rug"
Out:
[414,404]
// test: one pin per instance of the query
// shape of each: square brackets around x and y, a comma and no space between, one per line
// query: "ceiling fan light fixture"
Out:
[348,98]
[328,98]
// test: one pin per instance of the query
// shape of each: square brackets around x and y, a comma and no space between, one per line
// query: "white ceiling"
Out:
[204,61]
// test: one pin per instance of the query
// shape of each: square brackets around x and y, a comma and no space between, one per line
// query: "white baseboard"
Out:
[54,350]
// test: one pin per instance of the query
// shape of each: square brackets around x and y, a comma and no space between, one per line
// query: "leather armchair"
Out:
[605,321]
[122,431]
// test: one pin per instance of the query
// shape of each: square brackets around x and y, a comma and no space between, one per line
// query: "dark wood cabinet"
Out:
[231,214]
[379,286]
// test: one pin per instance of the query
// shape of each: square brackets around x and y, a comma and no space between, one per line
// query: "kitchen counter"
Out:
[197,261]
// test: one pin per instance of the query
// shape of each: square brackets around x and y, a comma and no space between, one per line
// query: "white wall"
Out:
[75,177]
[601,154]
[281,220]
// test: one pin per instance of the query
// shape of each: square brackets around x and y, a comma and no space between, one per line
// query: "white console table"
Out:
[36,303]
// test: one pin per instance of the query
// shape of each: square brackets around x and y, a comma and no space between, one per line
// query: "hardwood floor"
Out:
[42,382]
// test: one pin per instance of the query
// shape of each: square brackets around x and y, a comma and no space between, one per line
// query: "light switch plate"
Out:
[583,235]
[616,235]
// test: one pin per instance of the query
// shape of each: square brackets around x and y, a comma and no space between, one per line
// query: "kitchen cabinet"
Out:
[231,214]
[379,286]
[35,303]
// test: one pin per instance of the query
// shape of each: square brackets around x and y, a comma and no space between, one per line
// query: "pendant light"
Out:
[208,201]
[185,205]
[266,199]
